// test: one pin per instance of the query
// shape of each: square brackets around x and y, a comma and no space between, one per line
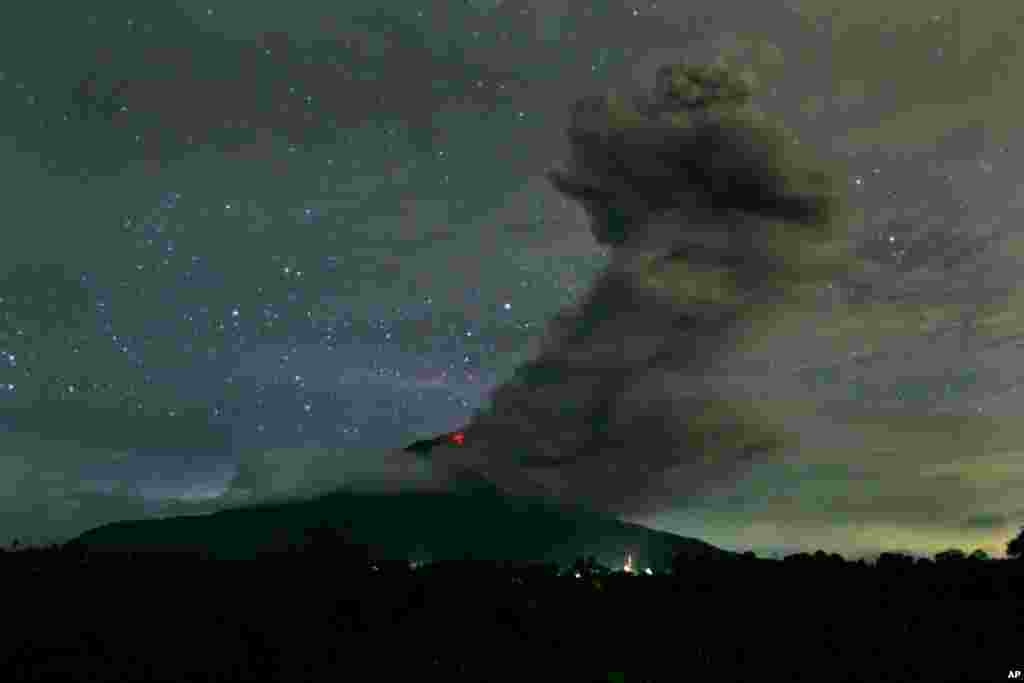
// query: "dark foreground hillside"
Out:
[329,613]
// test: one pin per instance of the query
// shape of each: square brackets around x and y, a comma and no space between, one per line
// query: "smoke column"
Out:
[716,218]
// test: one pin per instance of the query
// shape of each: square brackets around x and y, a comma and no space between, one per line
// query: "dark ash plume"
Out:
[714,216]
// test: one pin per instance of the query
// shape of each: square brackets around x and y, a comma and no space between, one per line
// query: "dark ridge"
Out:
[473,520]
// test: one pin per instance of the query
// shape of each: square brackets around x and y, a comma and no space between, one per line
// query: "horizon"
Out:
[763,552]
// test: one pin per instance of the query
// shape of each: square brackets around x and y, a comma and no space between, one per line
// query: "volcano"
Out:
[474,519]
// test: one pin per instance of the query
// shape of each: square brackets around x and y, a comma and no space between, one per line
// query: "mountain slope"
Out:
[473,520]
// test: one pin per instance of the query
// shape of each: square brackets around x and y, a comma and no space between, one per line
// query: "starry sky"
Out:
[251,250]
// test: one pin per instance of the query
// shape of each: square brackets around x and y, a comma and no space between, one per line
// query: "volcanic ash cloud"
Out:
[715,217]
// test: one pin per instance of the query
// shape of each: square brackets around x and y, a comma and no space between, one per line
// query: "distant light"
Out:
[458,438]
[648,571]
[577,575]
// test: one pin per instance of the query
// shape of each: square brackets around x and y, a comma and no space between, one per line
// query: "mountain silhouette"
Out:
[472,519]
[424,446]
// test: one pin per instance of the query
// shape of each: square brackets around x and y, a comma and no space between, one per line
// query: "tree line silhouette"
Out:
[325,538]
[322,605]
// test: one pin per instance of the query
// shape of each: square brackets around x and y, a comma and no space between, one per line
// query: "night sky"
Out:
[251,251]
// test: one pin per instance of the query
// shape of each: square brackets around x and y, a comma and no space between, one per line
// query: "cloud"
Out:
[937,63]
[312,469]
[118,426]
[709,212]
[858,504]
[985,521]
[43,497]
[750,355]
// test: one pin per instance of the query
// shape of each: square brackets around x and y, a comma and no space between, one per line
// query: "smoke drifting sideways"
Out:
[714,217]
